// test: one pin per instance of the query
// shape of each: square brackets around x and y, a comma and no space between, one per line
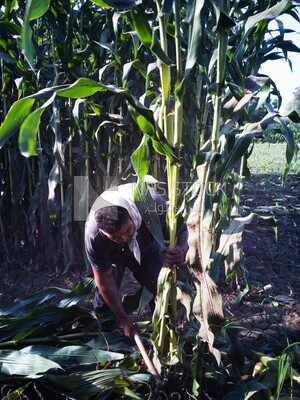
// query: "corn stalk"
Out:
[171,121]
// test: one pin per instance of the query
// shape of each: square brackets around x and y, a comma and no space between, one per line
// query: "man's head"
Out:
[115,223]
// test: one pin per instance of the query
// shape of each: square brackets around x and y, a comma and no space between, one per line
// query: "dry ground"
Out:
[272,306]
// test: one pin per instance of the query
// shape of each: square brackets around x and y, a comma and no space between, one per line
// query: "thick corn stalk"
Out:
[164,319]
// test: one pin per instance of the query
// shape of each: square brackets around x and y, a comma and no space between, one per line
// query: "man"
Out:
[116,238]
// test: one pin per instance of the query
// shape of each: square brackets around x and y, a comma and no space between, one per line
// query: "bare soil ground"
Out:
[270,311]
[272,306]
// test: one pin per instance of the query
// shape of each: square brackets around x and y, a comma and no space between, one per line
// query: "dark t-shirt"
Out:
[102,252]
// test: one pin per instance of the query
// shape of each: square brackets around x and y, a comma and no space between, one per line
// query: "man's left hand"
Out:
[175,256]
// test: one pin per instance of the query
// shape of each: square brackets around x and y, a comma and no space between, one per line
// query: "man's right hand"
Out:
[129,327]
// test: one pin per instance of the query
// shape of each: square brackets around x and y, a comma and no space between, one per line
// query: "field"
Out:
[269,313]
[96,92]
[269,158]
[266,164]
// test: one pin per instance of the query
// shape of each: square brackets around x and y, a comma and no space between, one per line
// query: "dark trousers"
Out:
[146,273]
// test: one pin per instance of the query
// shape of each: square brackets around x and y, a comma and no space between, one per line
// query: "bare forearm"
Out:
[110,293]
[111,296]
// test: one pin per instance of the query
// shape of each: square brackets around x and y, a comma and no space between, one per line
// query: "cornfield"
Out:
[96,93]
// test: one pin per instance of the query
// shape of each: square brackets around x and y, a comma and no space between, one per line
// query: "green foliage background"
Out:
[50,44]
[87,87]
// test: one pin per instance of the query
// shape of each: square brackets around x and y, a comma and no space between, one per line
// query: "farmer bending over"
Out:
[116,238]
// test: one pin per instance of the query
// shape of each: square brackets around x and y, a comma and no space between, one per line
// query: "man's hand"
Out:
[129,327]
[175,256]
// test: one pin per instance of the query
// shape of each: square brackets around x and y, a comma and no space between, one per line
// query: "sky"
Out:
[279,70]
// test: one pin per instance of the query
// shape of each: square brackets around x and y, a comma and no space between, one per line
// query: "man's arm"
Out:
[110,293]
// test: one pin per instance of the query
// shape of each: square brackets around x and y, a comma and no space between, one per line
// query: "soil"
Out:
[270,312]
[272,305]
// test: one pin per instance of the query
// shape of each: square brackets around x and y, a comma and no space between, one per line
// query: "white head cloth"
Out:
[122,196]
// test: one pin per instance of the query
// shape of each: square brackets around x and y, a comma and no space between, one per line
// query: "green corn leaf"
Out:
[146,35]
[25,305]
[72,355]
[23,326]
[224,22]
[95,384]
[180,90]
[34,9]
[237,77]
[158,51]
[240,147]
[144,123]
[141,162]
[264,93]
[119,5]
[83,87]
[46,93]
[141,25]
[19,363]
[288,45]
[257,19]
[111,48]
[80,292]
[15,116]
[101,3]
[112,341]
[144,118]
[269,14]
[141,158]
[9,28]
[128,68]
[29,129]
[195,39]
